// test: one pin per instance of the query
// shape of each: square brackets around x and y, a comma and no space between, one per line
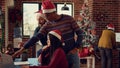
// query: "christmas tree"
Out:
[85,23]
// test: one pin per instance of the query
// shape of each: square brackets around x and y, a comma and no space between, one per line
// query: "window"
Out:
[29,15]
[117,37]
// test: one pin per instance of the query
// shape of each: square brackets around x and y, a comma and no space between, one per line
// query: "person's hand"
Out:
[45,47]
[18,52]
[20,45]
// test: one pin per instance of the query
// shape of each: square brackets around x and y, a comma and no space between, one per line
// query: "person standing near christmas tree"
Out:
[106,44]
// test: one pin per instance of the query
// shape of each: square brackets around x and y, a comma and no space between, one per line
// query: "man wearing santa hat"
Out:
[106,44]
[67,25]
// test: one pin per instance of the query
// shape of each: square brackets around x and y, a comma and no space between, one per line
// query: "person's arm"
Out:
[114,41]
[18,52]
[78,32]
[30,43]
[36,30]
[34,39]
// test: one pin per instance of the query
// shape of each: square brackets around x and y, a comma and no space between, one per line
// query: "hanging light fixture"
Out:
[65,7]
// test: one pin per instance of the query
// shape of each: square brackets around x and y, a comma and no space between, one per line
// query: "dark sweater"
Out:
[36,30]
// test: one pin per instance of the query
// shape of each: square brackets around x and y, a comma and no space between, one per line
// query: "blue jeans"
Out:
[106,57]
[73,60]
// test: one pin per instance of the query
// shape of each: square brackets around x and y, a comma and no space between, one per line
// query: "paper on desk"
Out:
[22,63]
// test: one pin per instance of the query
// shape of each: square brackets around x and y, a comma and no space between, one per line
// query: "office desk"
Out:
[31,62]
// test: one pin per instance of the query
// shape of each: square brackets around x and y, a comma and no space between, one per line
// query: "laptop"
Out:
[6,61]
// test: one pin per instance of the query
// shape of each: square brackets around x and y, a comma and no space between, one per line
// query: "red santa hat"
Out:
[110,26]
[48,6]
[57,34]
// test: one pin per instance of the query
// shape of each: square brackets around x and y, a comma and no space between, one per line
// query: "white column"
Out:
[8,3]
[6,23]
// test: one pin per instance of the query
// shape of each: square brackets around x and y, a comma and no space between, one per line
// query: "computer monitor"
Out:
[117,37]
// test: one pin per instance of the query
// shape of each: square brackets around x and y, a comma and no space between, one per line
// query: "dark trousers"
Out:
[106,57]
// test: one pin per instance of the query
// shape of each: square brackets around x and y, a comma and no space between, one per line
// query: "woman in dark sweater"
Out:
[56,55]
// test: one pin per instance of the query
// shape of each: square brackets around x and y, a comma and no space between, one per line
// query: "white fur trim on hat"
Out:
[110,28]
[49,10]
[55,34]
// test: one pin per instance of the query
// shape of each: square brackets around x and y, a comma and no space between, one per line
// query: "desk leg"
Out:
[93,62]
[88,62]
